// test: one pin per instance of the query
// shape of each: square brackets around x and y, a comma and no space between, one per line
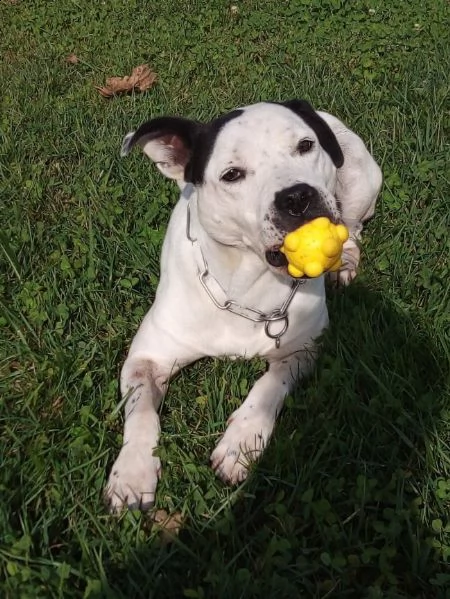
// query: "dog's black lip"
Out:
[276,258]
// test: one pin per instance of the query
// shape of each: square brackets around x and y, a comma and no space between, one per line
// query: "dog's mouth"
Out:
[276,258]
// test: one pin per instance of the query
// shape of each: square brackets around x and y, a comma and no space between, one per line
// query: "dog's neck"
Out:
[240,271]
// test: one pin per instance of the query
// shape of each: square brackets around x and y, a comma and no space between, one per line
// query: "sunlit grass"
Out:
[353,495]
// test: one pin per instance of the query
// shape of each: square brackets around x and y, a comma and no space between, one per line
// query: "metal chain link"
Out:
[277,315]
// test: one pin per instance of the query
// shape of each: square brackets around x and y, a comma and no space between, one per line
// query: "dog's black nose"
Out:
[296,200]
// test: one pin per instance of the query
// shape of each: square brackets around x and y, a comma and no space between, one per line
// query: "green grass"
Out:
[352,498]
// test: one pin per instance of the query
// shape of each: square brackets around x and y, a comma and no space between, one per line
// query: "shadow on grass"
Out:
[350,497]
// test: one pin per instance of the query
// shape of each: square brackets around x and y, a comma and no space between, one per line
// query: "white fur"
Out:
[230,223]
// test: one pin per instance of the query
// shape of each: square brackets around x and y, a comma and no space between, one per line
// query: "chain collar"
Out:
[278,315]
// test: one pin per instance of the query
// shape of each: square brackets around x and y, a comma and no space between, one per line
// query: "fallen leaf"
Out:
[142,78]
[169,525]
[72,59]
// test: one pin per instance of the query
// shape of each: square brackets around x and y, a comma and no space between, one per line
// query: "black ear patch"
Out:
[190,143]
[163,129]
[205,140]
[326,137]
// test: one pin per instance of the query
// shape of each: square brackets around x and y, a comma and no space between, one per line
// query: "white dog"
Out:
[247,178]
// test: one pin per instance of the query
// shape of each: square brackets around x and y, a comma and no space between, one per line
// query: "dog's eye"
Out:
[304,146]
[232,174]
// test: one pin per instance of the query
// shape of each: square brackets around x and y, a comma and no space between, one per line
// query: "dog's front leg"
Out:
[350,261]
[251,425]
[134,475]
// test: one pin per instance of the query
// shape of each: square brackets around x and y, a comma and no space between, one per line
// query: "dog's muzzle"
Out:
[297,201]
[292,208]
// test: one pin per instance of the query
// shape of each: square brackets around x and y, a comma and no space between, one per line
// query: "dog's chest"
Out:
[236,336]
[214,318]
[191,315]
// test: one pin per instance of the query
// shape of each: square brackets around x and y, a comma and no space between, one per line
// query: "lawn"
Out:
[352,498]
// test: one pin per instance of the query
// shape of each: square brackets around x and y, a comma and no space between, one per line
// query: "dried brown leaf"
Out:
[141,78]
[169,525]
[72,59]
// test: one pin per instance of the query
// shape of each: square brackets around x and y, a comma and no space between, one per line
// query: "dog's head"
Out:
[259,172]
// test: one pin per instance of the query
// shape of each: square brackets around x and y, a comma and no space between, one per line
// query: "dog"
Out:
[246,179]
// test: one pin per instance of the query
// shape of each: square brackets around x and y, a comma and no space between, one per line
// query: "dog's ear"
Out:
[359,179]
[168,141]
[327,138]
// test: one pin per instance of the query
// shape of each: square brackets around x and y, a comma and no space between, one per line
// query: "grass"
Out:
[352,498]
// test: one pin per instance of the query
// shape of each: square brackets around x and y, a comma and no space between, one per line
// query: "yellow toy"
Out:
[314,248]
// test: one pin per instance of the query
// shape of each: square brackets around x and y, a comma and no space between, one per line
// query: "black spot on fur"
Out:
[298,205]
[204,144]
[159,127]
[326,137]
[195,140]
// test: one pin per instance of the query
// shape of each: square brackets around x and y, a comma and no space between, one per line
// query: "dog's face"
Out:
[259,172]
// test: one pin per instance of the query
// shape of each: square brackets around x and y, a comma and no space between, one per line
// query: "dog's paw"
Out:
[342,277]
[243,443]
[133,479]
[350,261]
